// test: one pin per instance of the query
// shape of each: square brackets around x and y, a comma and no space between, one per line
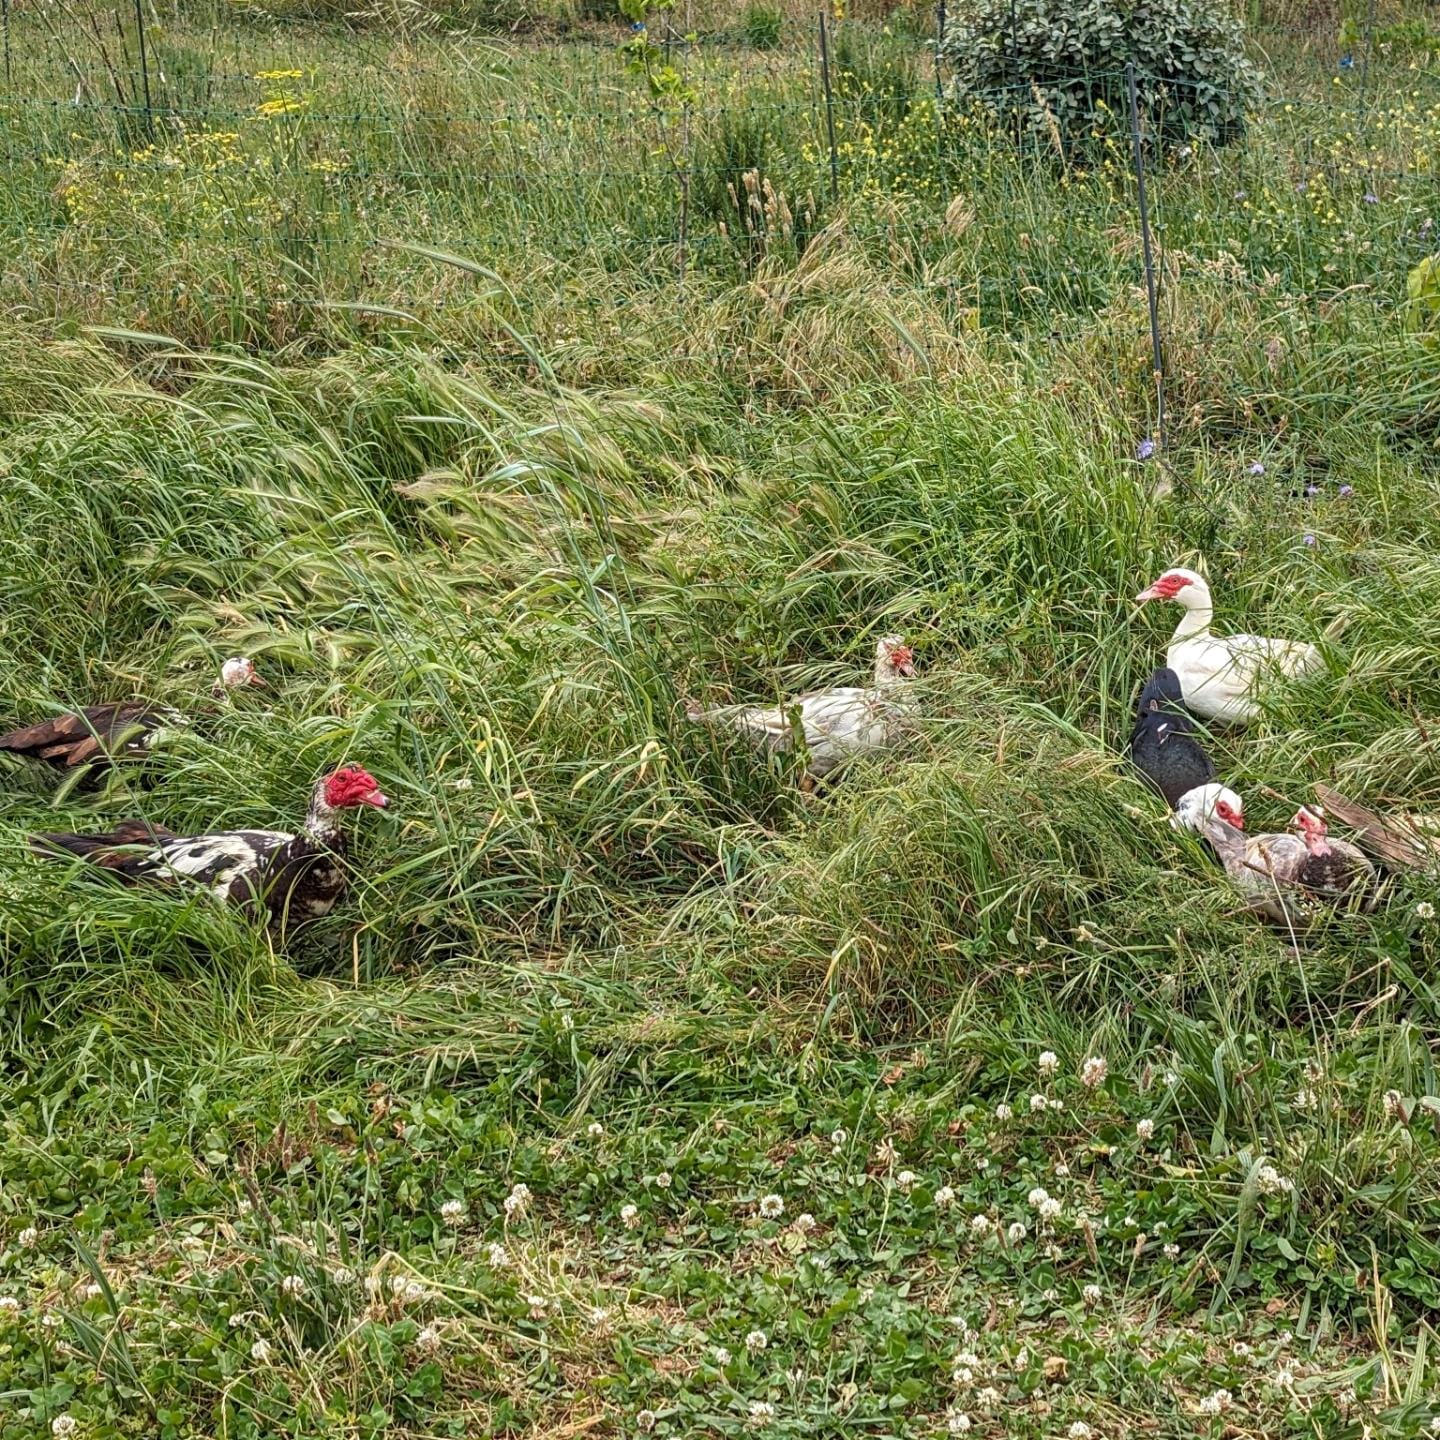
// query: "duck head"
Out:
[1185,587]
[1198,807]
[894,659]
[1309,822]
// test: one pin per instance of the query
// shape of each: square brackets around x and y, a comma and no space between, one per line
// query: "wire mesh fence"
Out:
[220,188]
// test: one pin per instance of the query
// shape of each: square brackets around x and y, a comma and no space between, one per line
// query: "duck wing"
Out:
[1164,751]
[1396,843]
[96,733]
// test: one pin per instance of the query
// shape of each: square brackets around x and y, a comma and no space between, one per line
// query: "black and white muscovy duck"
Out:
[1334,870]
[1163,747]
[124,730]
[1219,676]
[1400,842]
[289,878]
[834,725]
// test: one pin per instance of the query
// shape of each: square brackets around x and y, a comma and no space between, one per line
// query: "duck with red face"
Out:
[1333,869]
[1220,675]
[288,878]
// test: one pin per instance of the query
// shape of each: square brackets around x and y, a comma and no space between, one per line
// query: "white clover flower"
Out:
[988,1398]
[343,1276]
[1003,1113]
[722,1356]
[495,1256]
[645,1420]
[599,1315]
[64,1425]
[428,1340]
[92,1291]
[905,1181]
[260,1350]
[982,1163]
[662,1180]
[1216,1403]
[1435,1425]
[1240,1350]
[1094,1071]
[374,1284]
[51,1320]
[756,1341]
[630,1216]
[1394,1104]
[962,1377]
[980,1225]
[1049,1062]
[28,1238]
[1049,1209]
[838,1137]
[1170,1251]
[944,1198]
[1016,1233]
[452,1212]
[1285,1378]
[517,1202]
[594,1129]
[292,1285]
[398,1286]
[9,1309]
[804,1222]
[1304,1098]
[772,1207]
[1037,1104]
[1037,1197]
[886,1153]
[1272,1182]
[538,1306]
[762,1412]
[957,1422]
[1056,1104]
[413,1293]
[1091,1296]
[1062,1171]
[1079,1431]
[1424,911]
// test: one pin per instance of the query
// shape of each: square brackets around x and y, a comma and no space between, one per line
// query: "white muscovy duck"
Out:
[286,877]
[96,737]
[1219,676]
[1264,869]
[1334,870]
[834,726]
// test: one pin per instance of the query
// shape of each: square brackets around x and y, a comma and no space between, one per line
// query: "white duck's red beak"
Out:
[1153,593]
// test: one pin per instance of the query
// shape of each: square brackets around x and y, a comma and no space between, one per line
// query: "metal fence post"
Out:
[1156,357]
[829,108]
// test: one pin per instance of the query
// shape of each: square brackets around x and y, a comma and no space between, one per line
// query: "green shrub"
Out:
[1055,70]
[763,24]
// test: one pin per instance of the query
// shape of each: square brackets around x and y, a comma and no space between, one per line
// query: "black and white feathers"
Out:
[1163,747]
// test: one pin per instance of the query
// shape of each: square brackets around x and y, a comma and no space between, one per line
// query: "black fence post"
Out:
[145,68]
[1156,357]
[5,19]
[829,108]
[939,44]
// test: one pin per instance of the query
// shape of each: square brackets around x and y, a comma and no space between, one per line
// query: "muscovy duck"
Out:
[289,878]
[1401,842]
[1262,868]
[1163,747]
[834,726]
[1334,870]
[102,734]
[1218,676]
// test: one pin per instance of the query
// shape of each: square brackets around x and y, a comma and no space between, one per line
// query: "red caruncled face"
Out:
[353,786]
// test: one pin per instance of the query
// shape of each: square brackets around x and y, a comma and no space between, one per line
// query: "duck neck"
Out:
[1196,620]
[322,823]
[886,675]
[1229,842]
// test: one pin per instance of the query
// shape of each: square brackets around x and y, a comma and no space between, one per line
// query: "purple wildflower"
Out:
[1346,491]
[1302,187]
[1425,226]
[1311,490]
[1145,449]
[1241,194]
[1257,468]
[1371,198]
[1310,541]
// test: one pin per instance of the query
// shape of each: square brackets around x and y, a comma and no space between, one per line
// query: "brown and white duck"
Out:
[1221,675]
[832,727]
[287,878]
[1399,842]
[1333,870]
[100,735]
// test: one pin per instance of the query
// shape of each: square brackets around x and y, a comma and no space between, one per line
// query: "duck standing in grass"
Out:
[124,730]
[1163,747]
[290,878]
[1219,676]
[833,726]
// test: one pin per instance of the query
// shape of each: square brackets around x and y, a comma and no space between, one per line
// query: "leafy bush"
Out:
[763,24]
[1055,71]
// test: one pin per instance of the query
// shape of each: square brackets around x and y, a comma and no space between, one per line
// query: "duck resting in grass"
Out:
[286,878]
[833,726]
[124,730]
[1334,870]
[1163,747]
[1219,676]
